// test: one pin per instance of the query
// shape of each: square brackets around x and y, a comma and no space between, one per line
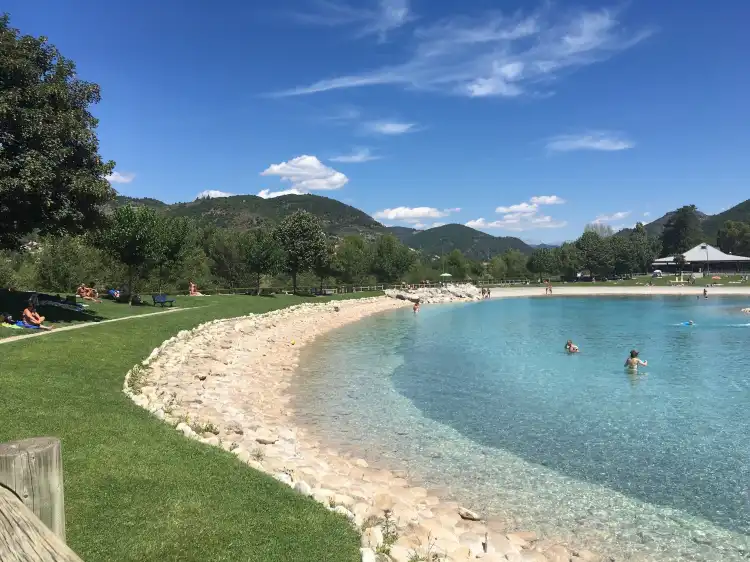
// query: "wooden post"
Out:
[32,470]
[23,538]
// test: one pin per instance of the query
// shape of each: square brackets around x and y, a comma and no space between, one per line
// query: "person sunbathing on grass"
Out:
[33,319]
[194,290]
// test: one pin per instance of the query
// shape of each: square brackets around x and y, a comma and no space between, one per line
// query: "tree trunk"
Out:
[294,282]
[258,283]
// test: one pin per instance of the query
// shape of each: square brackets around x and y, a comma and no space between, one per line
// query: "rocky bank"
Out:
[227,384]
[430,295]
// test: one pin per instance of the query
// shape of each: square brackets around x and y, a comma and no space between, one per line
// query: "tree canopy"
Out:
[52,179]
[302,240]
[682,231]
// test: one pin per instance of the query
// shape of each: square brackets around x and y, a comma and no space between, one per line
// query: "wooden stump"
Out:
[32,470]
[24,538]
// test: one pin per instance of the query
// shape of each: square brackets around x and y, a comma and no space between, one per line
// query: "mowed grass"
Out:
[135,489]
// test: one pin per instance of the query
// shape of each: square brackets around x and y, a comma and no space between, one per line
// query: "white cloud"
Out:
[213,193]
[601,219]
[517,224]
[646,214]
[120,177]
[495,54]
[305,173]
[436,224]
[385,16]
[390,127]
[547,200]
[268,194]
[520,208]
[523,216]
[414,216]
[595,140]
[358,156]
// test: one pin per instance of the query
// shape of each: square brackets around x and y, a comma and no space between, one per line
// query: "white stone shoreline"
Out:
[226,383]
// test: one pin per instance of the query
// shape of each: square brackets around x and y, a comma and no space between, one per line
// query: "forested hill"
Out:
[471,242]
[250,211]
[710,224]
[339,219]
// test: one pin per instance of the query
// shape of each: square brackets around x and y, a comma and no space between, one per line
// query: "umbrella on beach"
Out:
[446,275]
[716,277]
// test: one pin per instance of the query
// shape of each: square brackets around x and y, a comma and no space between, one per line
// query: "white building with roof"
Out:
[706,258]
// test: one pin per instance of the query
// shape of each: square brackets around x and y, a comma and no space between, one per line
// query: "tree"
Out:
[65,262]
[498,268]
[623,254]
[679,261]
[734,238]
[645,248]
[541,261]
[302,240]
[391,259]
[52,178]
[515,263]
[603,230]
[325,265]
[176,240]
[568,260]
[596,253]
[455,264]
[227,252]
[354,259]
[133,238]
[682,231]
[263,255]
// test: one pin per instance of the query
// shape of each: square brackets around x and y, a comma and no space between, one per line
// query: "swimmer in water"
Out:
[570,347]
[416,307]
[689,323]
[632,363]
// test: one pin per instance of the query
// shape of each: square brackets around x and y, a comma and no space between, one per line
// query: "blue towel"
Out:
[23,324]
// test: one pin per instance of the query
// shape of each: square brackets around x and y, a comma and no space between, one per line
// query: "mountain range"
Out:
[339,219]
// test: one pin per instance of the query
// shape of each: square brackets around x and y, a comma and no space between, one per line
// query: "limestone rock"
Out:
[140,400]
[362,463]
[372,537]
[384,502]
[341,510]
[467,514]
[589,556]
[303,488]
[557,553]
[284,478]
[266,438]
[368,555]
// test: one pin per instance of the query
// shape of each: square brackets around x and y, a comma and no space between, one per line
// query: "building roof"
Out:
[703,253]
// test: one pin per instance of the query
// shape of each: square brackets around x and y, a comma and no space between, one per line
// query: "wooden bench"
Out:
[162,300]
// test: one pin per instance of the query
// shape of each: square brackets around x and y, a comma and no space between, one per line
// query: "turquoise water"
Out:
[482,398]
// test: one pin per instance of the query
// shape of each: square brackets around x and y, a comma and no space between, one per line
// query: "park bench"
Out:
[161,300]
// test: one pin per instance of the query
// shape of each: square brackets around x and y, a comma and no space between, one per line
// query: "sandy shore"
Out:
[229,384]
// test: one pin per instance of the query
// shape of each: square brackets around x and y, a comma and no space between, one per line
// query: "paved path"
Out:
[89,324]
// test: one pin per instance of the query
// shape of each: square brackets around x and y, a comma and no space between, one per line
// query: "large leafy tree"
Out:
[645,248]
[391,259]
[354,259]
[498,269]
[734,238]
[176,241]
[227,253]
[596,253]
[456,265]
[264,256]
[569,260]
[302,240]
[543,260]
[515,263]
[52,179]
[133,237]
[602,229]
[623,254]
[682,231]
[326,264]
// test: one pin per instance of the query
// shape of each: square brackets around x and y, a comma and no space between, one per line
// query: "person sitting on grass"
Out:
[32,319]
[194,289]
[87,293]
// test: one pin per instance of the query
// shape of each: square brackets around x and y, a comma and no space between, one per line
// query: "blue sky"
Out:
[520,118]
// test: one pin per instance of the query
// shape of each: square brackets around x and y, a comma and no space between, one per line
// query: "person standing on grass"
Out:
[32,318]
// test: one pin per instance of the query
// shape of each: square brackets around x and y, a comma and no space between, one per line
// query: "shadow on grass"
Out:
[14,302]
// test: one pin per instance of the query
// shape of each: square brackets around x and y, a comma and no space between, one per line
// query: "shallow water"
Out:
[481,397]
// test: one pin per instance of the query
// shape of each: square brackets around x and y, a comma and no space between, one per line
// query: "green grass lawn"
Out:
[135,489]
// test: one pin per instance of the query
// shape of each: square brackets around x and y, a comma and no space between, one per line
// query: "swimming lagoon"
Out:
[481,398]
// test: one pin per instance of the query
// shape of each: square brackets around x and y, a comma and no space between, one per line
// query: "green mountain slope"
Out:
[713,223]
[471,242]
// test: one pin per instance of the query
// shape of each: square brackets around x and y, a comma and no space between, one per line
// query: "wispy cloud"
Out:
[595,140]
[413,215]
[496,55]
[304,173]
[120,177]
[213,193]
[379,18]
[602,219]
[358,156]
[646,214]
[390,127]
[268,194]
[523,216]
